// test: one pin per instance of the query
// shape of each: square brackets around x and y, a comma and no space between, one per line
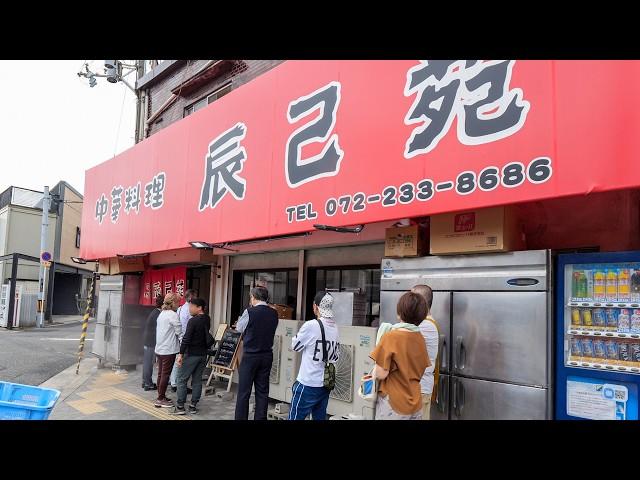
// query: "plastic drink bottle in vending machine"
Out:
[599,349]
[635,321]
[599,287]
[624,320]
[624,350]
[612,284]
[581,285]
[575,285]
[612,319]
[599,319]
[624,285]
[588,293]
[576,349]
[576,320]
[587,349]
[612,351]
[635,353]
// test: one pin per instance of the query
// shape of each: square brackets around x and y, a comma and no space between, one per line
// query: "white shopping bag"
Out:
[368,387]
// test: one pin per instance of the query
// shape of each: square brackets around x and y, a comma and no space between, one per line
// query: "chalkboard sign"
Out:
[227,349]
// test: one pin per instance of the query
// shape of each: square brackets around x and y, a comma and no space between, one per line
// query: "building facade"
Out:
[20,227]
[292,178]
[173,89]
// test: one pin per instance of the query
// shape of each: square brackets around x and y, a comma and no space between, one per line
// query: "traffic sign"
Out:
[45,257]
[46,264]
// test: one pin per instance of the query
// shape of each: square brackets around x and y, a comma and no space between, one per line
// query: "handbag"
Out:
[329,381]
[368,387]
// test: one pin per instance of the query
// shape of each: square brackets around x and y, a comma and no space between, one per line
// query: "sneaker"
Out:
[150,387]
[178,411]
[192,410]
[164,403]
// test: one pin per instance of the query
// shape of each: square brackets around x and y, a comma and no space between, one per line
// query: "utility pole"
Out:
[140,117]
[46,200]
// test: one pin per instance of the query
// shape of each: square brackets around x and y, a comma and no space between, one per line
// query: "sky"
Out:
[53,126]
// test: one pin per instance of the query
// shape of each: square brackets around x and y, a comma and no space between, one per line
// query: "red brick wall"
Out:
[160,92]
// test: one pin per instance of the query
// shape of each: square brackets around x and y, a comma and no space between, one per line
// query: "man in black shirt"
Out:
[149,347]
[258,328]
[192,356]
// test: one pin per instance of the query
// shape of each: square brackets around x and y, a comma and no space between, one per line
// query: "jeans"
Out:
[147,366]
[165,364]
[254,370]
[173,378]
[192,366]
[307,400]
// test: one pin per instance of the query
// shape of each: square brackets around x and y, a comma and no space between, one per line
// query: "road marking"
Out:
[87,407]
[92,398]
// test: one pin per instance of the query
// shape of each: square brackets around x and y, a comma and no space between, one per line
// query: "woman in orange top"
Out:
[401,359]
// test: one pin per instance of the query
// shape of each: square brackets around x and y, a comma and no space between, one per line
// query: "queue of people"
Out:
[405,356]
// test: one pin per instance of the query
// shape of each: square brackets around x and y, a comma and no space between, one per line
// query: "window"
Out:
[346,279]
[77,237]
[212,97]
[282,286]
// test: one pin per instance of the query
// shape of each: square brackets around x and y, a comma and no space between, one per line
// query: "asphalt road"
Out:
[33,356]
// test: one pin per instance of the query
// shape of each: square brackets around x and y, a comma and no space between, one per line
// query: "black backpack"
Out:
[329,368]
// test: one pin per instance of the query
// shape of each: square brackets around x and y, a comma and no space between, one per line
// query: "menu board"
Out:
[228,348]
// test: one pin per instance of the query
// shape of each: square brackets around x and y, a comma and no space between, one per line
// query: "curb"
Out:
[68,382]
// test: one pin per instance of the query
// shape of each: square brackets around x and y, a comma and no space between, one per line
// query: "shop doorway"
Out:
[363,279]
[282,286]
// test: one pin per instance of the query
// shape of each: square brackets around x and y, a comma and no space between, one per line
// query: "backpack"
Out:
[329,381]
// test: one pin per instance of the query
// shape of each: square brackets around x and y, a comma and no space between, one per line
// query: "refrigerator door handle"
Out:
[460,399]
[458,354]
[454,402]
[107,325]
[442,351]
[440,402]
[463,354]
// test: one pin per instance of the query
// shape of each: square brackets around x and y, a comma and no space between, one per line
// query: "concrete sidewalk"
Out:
[104,394]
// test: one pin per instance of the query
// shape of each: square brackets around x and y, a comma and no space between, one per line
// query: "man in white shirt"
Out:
[185,316]
[429,331]
[309,393]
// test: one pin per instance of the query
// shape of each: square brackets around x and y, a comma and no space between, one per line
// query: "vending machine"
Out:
[598,336]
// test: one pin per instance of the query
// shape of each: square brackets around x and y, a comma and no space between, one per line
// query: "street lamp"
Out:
[202,245]
[211,246]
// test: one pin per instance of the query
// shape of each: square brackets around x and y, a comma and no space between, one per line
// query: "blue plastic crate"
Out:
[26,402]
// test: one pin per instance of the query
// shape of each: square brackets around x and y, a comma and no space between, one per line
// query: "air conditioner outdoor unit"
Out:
[356,343]
[286,362]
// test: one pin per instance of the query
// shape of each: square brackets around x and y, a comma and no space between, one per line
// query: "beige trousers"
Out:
[426,407]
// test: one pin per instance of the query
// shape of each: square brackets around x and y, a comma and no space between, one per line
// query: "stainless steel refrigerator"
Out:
[494,314]
[120,321]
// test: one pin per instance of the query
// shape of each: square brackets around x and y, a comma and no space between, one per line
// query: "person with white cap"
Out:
[319,343]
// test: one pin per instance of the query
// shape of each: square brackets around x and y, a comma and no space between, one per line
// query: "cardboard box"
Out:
[104,266]
[408,241]
[126,265]
[284,311]
[495,229]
